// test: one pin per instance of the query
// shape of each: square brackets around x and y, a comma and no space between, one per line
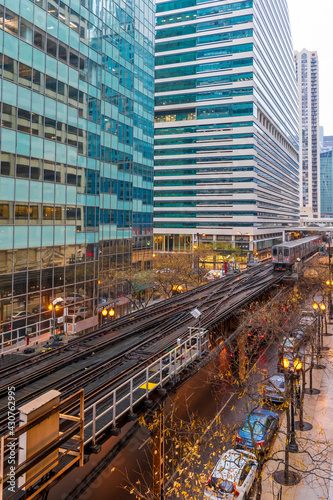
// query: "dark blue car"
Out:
[263,424]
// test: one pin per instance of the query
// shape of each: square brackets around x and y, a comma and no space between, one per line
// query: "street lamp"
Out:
[291,374]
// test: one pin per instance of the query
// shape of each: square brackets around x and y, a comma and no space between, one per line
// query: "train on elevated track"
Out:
[285,255]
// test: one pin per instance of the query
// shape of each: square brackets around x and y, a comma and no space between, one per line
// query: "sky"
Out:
[312,29]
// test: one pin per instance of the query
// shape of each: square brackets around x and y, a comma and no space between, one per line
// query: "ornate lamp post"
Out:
[291,375]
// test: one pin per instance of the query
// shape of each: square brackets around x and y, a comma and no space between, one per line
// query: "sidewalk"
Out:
[314,459]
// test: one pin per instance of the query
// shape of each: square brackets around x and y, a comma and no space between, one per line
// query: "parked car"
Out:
[263,424]
[232,477]
[274,390]
[299,335]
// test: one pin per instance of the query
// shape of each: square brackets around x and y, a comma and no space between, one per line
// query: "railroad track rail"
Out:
[151,339]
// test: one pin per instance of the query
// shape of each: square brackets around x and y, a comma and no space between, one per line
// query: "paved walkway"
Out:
[314,459]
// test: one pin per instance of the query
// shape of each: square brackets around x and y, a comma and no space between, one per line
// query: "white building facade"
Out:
[307,73]
[226,123]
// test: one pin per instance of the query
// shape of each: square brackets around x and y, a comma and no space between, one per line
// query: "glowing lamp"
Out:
[315,306]
[285,363]
[50,307]
[322,307]
[297,365]
[104,312]
[111,312]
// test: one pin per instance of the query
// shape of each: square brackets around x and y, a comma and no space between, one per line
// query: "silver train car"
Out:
[286,254]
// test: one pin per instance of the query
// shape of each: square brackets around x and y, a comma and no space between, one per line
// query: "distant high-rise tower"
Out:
[309,160]
[226,124]
[326,183]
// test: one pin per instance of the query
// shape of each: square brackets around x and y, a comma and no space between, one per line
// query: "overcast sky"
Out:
[312,29]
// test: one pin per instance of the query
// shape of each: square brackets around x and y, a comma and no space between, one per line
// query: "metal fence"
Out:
[122,400]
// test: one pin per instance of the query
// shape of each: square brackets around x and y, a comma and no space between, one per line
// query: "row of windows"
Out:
[38,125]
[89,71]
[203,54]
[201,160]
[197,41]
[125,191]
[197,203]
[203,68]
[200,26]
[218,127]
[199,171]
[195,192]
[49,213]
[19,27]
[201,96]
[203,82]
[92,216]
[87,105]
[197,182]
[200,138]
[226,110]
[193,215]
[35,169]
[202,12]
[202,149]
[85,142]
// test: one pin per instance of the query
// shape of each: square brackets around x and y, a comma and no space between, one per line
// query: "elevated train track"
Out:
[132,341]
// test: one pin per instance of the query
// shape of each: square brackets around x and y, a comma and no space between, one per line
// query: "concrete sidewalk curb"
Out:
[316,483]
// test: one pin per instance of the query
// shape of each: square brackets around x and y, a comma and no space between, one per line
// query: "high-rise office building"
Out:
[309,134]
[326,178]
[77,79]
[226,123]
[328,141]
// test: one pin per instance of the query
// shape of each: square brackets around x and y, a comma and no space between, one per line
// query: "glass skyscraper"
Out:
[76,180]
[226,123]
[307,69]
[326,183]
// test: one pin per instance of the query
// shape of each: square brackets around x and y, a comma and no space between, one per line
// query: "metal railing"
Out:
[122,399]
[24,336]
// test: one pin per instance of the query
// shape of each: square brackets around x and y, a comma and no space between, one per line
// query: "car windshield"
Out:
[256,423]
[279,384]
[221,485]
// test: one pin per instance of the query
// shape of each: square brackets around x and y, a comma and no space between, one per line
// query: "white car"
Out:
[232,476]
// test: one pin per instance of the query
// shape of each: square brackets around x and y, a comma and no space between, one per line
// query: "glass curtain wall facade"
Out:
[76,173]
[226,120]
[307,68]
[326,183]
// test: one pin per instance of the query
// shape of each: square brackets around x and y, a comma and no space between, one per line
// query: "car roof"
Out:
[277,378]
[231,463]
[264,413]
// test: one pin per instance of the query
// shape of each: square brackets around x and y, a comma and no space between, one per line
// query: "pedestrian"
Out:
[27,338]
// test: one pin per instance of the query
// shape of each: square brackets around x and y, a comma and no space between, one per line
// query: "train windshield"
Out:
[286,252]
[274,251]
